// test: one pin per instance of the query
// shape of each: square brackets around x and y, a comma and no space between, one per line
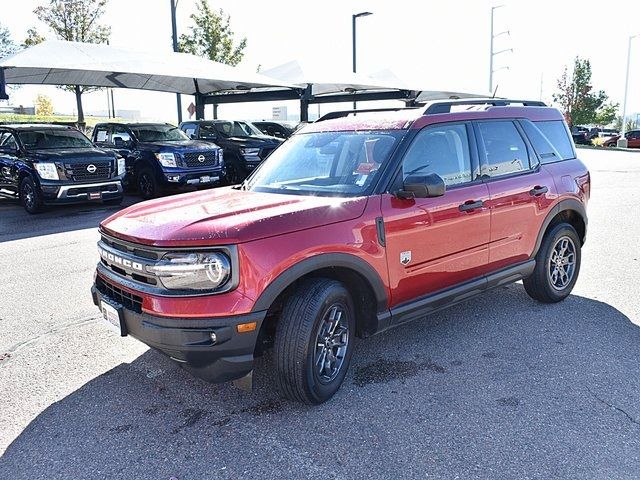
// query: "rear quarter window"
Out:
[556,132]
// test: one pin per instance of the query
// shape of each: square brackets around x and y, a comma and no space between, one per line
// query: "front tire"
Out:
[30,196]
[148,186]
[557,265]
[314,341]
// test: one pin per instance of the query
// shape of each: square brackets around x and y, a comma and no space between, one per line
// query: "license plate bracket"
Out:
[95,195]
[113,317]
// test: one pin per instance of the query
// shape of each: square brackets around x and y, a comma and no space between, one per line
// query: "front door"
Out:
[434,243]
[8,158]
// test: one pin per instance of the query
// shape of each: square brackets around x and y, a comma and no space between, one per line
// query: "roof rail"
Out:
[444,106]
[344,113]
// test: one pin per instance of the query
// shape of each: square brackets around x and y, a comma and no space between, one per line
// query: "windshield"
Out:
[232,129]
[53,138]
[343,164]
[158,133]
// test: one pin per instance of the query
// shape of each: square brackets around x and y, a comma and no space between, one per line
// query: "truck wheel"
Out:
[30,196]
[148,186]
[314,341]
[557,265]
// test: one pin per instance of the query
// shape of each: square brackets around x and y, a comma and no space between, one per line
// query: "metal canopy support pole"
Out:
[215,111]
[174,30]
[305,99]
[622,141]
[3,86]
[199,106]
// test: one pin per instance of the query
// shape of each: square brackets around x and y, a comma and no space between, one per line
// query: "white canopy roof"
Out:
[56,62]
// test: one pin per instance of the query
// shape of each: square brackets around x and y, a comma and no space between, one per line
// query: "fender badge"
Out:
[405,257]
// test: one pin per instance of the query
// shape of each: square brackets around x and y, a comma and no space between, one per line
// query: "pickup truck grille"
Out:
[201,159]
[80,172]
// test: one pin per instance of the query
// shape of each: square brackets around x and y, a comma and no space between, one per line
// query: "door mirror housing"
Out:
[7,150]
[422,186]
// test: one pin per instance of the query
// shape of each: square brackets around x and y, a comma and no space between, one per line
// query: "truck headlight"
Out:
[47,171]
[122,166]
[192,271]
[166,159]
[249,152]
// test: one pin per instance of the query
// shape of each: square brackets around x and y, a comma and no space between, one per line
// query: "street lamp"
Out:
[622,141]
[492,53]
[353,32]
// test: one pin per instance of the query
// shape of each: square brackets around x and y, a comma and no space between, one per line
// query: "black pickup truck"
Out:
[244,146]
[160,157]
[45,164]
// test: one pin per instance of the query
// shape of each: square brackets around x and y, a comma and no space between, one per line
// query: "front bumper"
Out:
[182,179]
[57,193]
[188,341]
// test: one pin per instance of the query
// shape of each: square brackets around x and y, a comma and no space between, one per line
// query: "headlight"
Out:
[249,152]
[192,271]
[122,166]
[221,157]
[47,171]
[166,159]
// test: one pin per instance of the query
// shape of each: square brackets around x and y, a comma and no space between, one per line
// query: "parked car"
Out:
[274,128]
[598,132]
[161,158]
[353,226]
[581,135]
[632,136]
[46,164]
[244,146]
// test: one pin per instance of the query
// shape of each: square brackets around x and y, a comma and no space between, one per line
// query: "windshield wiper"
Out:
[417,169]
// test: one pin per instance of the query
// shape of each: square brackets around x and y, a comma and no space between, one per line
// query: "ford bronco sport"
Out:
[355,225]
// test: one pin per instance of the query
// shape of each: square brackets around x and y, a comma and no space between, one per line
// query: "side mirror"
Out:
[422,186]
[193,136]
[7,150]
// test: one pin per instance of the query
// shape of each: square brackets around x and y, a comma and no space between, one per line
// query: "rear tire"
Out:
[557,265]
[30,196]
[314,341]
[148,186]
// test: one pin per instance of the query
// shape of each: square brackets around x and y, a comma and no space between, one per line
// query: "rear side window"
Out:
[547,153]
[557,134]
[504,148]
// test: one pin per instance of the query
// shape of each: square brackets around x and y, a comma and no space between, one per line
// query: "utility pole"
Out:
[174,29]
[354,17]
[622,141]
[492,53]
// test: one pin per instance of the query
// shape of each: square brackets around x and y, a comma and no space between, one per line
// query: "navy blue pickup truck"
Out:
[160,157]
[46,164]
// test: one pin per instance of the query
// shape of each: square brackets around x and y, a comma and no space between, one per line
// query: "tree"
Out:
[578,102]
[74,21]
[7,45]
[44,106]
[211,36]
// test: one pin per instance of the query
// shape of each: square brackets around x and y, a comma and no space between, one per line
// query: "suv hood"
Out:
[69,155]
[181,146]
[226,216]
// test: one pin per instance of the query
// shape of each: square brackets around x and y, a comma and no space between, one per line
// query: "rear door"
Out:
[634,139]
[434,243]
[520,191]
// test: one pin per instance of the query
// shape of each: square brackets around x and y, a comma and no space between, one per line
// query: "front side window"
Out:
[7,140]
[504,149]
[121,133]
[343,164]
[53,138]
[444,150]
[158,133]
[235,129]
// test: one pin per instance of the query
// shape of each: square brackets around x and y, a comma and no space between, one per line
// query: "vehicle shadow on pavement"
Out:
[16,223]
[499,386]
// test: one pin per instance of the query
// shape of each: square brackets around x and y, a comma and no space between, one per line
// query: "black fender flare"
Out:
[568,204]
[318,262]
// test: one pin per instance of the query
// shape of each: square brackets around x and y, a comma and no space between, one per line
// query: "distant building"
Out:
[120,113]
[19,110]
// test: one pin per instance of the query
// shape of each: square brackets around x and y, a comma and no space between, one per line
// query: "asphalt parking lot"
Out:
[497,387]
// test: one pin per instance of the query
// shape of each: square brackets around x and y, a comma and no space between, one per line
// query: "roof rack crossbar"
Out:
[344,113]
[445,106]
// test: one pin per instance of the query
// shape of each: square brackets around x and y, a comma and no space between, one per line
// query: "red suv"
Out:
[354,225]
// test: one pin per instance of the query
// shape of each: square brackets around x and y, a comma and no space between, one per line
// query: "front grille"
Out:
[78,171]
[201,159]
[118,295]
[129,248]
[265,152]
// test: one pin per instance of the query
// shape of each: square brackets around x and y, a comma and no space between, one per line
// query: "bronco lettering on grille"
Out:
[117,260]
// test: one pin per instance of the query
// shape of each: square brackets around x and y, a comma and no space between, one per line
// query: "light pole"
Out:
[174,31]
[622,141]
[492,53]
[353,33]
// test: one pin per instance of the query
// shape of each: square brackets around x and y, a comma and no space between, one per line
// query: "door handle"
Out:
[471,205]
[538,190]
